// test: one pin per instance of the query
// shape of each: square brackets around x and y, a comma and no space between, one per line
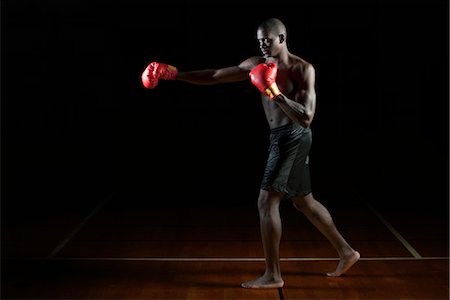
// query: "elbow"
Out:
[216,78]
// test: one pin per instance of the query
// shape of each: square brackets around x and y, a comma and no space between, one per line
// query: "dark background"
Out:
[77,122]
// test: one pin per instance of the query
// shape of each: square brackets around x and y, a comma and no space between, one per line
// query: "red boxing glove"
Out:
[155,71]
[263,77]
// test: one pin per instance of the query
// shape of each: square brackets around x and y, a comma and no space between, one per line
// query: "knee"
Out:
[267,201]
[263,202]
[299,203]
[302,203]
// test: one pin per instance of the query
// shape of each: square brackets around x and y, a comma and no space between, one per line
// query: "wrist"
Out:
[272,91]
[280,98]
[170,73]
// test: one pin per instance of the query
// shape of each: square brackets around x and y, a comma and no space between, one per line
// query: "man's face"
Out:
[269,43]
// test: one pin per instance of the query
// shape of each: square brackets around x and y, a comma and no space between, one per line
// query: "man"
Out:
[287,85]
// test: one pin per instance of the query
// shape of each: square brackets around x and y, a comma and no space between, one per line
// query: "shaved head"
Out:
[274,26]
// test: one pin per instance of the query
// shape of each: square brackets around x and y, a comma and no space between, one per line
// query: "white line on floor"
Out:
[75,231]
[395,232]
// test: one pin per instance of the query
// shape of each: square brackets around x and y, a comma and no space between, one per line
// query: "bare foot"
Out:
[345,263]
[263,282]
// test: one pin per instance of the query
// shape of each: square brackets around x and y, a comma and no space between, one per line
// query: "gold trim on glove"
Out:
[272,91]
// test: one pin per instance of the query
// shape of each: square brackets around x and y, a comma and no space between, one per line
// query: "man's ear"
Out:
[281,37]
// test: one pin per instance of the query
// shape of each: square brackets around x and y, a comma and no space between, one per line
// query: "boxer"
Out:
[287,85]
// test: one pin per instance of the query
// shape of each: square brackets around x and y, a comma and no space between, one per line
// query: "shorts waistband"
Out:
[285,127]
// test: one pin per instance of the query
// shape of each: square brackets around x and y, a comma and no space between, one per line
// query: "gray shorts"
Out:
[287,166]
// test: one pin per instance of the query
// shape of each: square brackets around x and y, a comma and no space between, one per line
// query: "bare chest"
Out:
[285,83]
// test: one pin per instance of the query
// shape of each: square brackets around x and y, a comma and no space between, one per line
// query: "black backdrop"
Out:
[75,118]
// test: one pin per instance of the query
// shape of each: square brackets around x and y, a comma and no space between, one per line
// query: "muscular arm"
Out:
[213,76]
[223,75]
[301,109]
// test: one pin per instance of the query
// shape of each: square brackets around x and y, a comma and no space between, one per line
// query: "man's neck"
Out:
[282,57]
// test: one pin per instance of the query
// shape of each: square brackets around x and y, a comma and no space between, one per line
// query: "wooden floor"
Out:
[121,246]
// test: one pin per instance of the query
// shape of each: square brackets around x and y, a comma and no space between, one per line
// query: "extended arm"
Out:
[156,71]
[214,76]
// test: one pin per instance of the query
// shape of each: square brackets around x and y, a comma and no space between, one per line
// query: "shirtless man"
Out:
[287,85]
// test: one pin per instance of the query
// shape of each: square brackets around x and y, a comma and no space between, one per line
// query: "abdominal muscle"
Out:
[274,115]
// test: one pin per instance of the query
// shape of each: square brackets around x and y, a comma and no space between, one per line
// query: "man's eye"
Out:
[265,41]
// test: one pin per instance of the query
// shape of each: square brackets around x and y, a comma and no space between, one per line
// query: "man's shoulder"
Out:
[252,62]
[299,64]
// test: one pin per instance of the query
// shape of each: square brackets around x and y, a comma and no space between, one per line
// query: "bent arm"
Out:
[223,75]
[302,108]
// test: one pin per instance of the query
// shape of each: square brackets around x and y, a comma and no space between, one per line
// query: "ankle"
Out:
[272,276]
[346,252]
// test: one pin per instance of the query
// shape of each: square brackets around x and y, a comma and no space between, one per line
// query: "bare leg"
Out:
[322,220]
[270,224]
